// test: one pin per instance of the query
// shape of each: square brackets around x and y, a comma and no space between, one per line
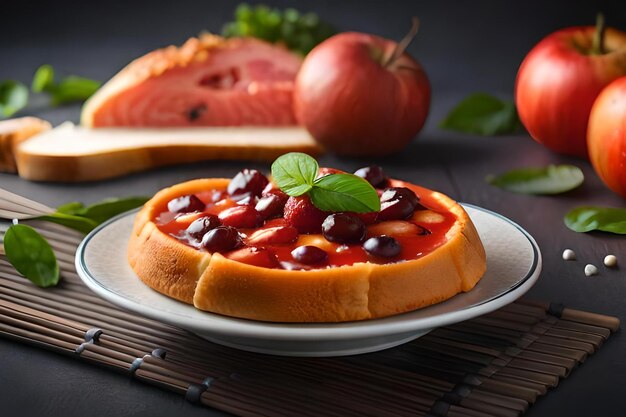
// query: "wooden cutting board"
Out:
[72,153]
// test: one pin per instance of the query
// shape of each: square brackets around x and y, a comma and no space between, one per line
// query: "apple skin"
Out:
[558,82]
[352,104]
[606,136]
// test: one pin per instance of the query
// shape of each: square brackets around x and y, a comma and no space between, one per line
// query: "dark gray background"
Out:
[464,47]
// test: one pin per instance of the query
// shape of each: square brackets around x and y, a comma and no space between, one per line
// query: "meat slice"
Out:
[209,81]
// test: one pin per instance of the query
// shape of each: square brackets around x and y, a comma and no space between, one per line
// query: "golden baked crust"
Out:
[357,292]
[12,133]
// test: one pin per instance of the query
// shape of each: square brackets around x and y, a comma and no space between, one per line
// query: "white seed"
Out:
[569,255]
[610,261]
[591,270]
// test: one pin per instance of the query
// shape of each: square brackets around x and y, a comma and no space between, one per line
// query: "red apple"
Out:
[607,136]
[559,80]
[361,95]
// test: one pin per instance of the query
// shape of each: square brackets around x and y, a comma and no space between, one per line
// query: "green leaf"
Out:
[43,80]
[344,192]
[300,32]
[482,114]
[13,98]
[72,89]
[110,207]
[70,208]
[606,219]
[553,179]
[31,255]
[82,224]
[294,173]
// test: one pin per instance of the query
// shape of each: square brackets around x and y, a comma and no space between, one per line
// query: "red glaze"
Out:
[607,136]
[413,246]
[558,82]
[356,104]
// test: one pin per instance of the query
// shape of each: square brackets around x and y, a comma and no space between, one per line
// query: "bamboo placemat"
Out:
[496,365]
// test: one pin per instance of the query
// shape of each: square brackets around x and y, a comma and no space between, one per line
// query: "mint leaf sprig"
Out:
[295,173]
[551,179]
[13,97]
[31,254]
[300,32]
[70,89]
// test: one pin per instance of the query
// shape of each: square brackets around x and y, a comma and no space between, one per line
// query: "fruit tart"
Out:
[309,245]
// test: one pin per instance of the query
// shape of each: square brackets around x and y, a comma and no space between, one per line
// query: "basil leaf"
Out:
[482,114]
[43,80]
[31,255]
[553,179]
[70,208]
[82,224]
[72,89]
[606,219]
[13,97]
[110,207]
[294,173]
[344,192]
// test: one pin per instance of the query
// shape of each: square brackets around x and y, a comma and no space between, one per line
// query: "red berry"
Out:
[221,239]
[255,256]
[274,236]
[399,193]
[395,210]
[367,218]
[272,204]
[384,246]
[201,226]
[309,255]
[343,228]
[372,174]
[185,204]
[303,215]
[323,171]
[247,181]
[245,217]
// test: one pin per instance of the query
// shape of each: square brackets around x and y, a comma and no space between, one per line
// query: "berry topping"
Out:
[396,228]
[245,217]
[395,210]
[200,226]
[221,239]
[399,193]
[272,204]
[274,236]
[185,204]
[245,199]
[303,215]
[247,181]
[323,171]
[343,228]
[383,246]
[372,174]
[367,218]
[309,255]
[255,256]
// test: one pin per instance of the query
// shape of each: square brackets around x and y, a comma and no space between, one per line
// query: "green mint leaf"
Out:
[110,207]
[344,192]
[82,224]
[482,114]
[72,89]
[13,98]
[31,255]
[43,80]
[553,179]
[606,219]
[294,173]
[300,32]
[70,208]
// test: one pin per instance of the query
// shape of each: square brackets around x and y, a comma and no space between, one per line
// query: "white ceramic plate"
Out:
[513,266]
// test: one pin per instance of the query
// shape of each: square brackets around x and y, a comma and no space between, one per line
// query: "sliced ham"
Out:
[209,81]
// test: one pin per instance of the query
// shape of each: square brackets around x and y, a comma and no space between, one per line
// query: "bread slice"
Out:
[361,291]
[72,153]
[12,133]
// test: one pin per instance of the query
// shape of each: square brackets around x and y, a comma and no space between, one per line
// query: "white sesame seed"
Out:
[569,255]
[591,270]
[610,261]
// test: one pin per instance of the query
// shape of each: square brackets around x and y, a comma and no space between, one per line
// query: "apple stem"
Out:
[597,46]
[404,43]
